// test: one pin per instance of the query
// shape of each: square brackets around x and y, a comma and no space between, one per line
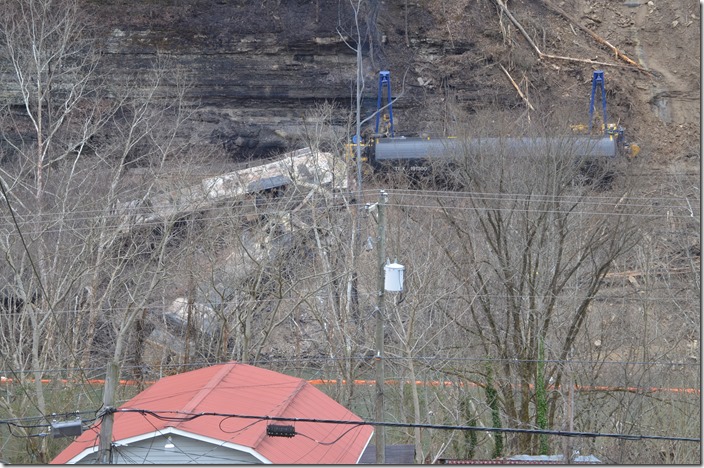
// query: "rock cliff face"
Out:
[257,68]
[253,67]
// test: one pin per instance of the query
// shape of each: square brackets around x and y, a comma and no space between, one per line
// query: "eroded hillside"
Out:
[255,68]
[129,237]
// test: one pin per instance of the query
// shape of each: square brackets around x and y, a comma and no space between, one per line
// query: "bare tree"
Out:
[531,244]
[76,269]
[337,246]
[47,128]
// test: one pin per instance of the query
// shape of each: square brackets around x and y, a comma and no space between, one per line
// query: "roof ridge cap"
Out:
[208,387]
[287,402]
[282,407]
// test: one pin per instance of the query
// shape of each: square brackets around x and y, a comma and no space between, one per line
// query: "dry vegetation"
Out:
[523,282]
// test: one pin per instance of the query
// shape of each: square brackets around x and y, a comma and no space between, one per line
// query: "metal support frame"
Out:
[598,81]
[384,80]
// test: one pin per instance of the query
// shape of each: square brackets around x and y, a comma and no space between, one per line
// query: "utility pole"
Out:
[105,438]
[380,436]
[569,416]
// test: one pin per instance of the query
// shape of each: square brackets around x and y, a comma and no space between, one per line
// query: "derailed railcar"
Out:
[424,150]
[419,155]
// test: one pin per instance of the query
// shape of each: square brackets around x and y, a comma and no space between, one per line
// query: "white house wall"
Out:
[186,450]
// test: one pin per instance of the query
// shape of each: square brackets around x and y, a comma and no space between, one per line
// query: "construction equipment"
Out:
[612,130]
[388,117]
[597,82]
[415,153]
[384,126]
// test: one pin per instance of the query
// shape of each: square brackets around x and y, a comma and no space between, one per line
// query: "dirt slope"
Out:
[660,110]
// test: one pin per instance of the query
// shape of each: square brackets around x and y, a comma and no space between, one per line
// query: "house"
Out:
[163,436]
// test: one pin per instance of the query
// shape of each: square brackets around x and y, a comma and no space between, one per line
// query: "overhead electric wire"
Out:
[659,203]
[25,422]
[244,216]
[686,215]
[634,297]
[187,455]
[219,169]
[172,416]
[511,197]
[190,416]
[207,206]
[363,358]
[328,442]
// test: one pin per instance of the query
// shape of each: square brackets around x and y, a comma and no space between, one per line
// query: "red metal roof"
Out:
[236,388]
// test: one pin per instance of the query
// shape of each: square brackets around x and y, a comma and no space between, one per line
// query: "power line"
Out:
[622,299]
[581,198]
[160,222]
[661,203]
[206,205]
[367,358]
[4,193]
[33,422]
[178,416]
[218,168]
[458,382]
[686,215]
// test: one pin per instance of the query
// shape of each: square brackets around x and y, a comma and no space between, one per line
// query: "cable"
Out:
[364,357]
[661,203]
[160,433]
[190,416]
[331,442]
[34,269]
[686,212]
[3,191]
[631,297]
[19,423]
[238,430]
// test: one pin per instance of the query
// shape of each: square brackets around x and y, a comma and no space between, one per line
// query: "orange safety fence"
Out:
[431,383]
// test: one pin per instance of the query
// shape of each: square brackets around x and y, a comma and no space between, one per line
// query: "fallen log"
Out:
[520,93]
[594,35]
[543,55]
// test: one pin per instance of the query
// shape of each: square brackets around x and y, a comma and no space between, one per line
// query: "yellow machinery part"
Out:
[351,152]
[634,149]
[579,128]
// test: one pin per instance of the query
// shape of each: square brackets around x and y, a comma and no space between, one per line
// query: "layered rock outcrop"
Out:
[253,68]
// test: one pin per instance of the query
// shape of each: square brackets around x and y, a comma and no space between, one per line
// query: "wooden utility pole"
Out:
[571,421]
[105,438]
[380,436]
[569,416]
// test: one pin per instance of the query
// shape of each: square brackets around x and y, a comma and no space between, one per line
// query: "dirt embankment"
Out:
[659,109]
